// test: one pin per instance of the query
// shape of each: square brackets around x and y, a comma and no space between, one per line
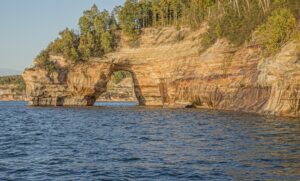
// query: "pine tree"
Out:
[106,42]
[129,19]
[70,43]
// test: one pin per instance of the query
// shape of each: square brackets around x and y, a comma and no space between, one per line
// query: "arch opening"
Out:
[120,91]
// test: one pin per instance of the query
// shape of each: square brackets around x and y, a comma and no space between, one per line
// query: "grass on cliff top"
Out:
[15,80]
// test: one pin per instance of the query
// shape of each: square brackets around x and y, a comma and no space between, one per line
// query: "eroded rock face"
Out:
[77,85]
[11,92]
[172,72]
[282,74]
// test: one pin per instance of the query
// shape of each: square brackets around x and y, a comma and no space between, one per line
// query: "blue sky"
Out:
[27,26]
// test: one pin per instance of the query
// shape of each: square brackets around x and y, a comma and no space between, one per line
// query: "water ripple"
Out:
[120,142]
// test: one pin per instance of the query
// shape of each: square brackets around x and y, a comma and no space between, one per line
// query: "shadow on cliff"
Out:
[128,68]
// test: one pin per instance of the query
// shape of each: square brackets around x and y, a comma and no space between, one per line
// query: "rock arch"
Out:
[83,83]
[136,84]
[176,74]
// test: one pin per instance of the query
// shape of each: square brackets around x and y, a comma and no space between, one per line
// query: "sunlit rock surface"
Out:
[169,68]
[11,93]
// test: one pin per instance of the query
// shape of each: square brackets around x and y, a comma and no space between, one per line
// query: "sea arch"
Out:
[82,84]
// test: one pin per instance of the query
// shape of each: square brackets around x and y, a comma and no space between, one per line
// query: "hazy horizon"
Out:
[29,26]
[7,71]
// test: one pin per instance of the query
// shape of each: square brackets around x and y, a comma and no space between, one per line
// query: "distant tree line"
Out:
[15,80]
[234,20]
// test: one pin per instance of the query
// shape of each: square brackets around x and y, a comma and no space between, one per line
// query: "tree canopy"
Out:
[234,20]
[95,38]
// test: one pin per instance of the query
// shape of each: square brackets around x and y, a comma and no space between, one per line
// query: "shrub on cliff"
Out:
[66,45]
[42,61]
[280,28]
[118,76]
[237,21]
[235,25]
[41,58]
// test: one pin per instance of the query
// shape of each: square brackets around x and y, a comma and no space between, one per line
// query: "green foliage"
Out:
[236,27]
[113,25]
[16,80]
[135,15]
[118,76]
[42,61]
[234,20]
[97,31]
[209,38]
[92,25]
[280,28]
[69,45]
[106,42]
[86,46]
[292,5]
[49,66]
[22,85]
[66,45]
[42,58]
[129,19]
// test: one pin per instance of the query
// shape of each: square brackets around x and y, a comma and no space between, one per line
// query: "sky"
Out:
[28,26]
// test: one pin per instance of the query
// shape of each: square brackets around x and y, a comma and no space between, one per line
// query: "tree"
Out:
[129,19]
[106,42]
[70,43]
[155,12]
[89,24]
[113,25]
[66,45]
[94,27]
[41,58]
[234,20]
[280,28]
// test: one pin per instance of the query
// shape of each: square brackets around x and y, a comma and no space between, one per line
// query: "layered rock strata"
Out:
[11,92]
[171,69]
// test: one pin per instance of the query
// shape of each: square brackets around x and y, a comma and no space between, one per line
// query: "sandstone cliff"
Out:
[12,88]
[10,93]
[171,69]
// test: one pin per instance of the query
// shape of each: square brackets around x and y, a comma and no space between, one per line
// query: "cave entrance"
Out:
[120,91]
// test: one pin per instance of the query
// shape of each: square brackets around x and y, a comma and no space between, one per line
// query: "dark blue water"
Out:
[136,143]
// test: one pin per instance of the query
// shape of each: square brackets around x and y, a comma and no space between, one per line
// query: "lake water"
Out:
[123,142]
